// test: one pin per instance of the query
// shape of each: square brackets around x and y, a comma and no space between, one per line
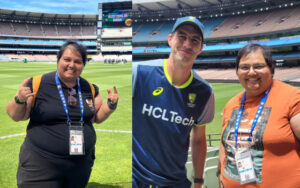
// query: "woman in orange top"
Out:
[260,144]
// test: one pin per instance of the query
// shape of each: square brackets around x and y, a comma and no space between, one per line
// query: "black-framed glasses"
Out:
[256,67]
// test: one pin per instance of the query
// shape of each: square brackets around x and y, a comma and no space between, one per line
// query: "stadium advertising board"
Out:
[116,18]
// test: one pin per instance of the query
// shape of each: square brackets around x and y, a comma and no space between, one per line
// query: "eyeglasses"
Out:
[256,67]
[72,100]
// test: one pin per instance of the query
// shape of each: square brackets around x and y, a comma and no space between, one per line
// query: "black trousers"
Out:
[35,171]
[138,184]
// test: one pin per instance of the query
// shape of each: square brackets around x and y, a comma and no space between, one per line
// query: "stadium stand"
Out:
[227,30]
[116,32]
[157,32]
[229,75]
[37,36]
[210,168]
[260,23]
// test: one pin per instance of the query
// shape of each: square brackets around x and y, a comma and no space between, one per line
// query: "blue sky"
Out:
[54,6]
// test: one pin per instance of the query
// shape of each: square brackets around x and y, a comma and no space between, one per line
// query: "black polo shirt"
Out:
[47,131]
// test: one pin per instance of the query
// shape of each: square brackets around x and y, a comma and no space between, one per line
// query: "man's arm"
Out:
[198,145]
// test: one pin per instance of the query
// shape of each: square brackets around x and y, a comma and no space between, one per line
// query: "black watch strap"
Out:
[110,105]
[198,180]
[18,100]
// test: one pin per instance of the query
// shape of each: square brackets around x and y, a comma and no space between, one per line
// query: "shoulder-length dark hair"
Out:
[266,51]
[79,47]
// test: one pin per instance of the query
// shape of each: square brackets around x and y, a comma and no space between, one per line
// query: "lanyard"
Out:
[240,113]
[63,99]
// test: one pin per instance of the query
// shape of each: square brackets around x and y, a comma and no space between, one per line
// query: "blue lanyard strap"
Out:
[257,115]
[63,99]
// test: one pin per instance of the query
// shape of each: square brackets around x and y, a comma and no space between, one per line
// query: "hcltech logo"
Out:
[165,115]
[158,91]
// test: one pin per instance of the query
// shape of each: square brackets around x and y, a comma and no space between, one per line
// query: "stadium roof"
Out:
[45,18]
[161,9]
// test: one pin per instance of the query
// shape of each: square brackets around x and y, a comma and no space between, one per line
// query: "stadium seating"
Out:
[28,40]
[20,29]
[49,30]
[45,30]
[260,22]
[116,32]
[225,46]
[35,30]
[64,31]
[89,31]
[115,48]
[76,30]
[144,32]
[162,32]
[210,169]
[158,31]
[281,73]
[238,25]
[6,28]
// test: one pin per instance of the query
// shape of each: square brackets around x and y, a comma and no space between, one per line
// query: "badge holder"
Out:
[76,140]
[244,164]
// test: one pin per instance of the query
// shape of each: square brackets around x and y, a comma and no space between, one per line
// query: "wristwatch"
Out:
[198,180]
[18,100]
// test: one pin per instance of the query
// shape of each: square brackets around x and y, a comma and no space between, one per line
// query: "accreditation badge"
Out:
[76,140]
[245,167]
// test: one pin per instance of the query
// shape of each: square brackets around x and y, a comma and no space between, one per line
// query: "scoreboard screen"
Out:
[116,18]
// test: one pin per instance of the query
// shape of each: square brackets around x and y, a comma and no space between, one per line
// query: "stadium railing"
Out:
[212,137]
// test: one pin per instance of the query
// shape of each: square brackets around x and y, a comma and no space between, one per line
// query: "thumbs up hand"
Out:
[24,92]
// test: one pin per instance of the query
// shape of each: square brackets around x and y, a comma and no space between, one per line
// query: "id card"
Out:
[244,164]
[76,140]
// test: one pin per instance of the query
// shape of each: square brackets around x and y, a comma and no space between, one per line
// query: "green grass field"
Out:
[223,93]
[112,166]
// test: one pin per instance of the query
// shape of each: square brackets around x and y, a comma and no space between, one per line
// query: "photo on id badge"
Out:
[76,140]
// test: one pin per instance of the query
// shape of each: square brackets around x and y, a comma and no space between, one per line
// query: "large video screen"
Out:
[116,18]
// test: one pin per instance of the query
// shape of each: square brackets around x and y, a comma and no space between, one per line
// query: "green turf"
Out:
[112,166]
[223,93]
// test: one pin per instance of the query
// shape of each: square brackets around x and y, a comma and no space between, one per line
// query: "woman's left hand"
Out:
[113,97]
[103,111]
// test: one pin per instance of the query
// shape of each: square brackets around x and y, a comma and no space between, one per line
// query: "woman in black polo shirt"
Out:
[59,148]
